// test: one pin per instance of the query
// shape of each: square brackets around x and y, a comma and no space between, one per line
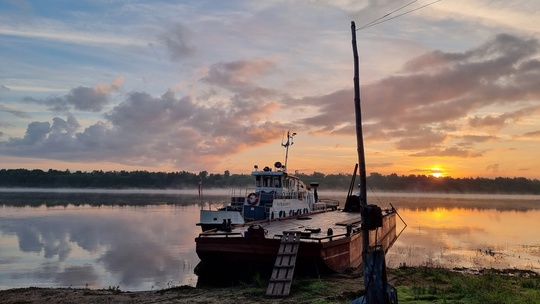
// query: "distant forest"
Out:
[10,178]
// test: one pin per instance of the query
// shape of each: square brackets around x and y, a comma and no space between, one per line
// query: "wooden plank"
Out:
[349,222]
[282,274]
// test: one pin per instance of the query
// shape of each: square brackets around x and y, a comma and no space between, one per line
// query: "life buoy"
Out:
[252,199]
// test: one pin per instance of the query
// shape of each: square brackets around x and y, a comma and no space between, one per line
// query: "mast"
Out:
[287,145]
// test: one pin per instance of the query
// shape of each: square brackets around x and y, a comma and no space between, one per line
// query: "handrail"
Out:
[319,239]
[227,234]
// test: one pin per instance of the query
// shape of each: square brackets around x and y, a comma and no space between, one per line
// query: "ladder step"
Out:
[279,280]
[282,275]
[283,266]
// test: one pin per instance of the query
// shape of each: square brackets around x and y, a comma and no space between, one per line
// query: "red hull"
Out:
[338,253]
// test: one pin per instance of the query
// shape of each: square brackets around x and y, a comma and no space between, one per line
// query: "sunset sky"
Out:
[450,89]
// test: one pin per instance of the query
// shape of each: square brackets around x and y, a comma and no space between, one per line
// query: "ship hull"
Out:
[339,252]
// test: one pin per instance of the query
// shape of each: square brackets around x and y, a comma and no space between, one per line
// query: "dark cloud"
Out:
[381,165]
[177,43]
[419,139]
[532,134]
[13,112]
[87,99]
[237,73]
[148,130]
[471,140]
[80,98]
[499,121]
[434,92]
[448,152]
[423,109]
[494,168]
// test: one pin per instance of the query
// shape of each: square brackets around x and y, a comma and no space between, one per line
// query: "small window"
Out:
[277,182]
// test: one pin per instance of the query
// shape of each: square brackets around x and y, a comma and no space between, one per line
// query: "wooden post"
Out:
[373,262]
[360,148]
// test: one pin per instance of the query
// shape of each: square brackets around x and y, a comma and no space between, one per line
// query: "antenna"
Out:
[287,145]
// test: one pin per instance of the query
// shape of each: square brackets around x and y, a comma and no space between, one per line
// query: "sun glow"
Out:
[436,172]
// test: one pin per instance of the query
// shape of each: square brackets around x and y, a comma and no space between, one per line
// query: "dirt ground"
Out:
[334,288]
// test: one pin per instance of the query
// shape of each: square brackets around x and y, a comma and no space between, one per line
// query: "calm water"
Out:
[144,241]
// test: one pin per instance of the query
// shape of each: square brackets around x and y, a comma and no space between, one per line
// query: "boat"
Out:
[248,232]
[329,241]
[275,195]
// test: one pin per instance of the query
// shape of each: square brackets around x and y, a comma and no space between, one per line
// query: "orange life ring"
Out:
[252,199]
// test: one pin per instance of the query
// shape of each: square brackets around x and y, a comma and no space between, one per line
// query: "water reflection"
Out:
[131,247]
[468,238]
[144,241]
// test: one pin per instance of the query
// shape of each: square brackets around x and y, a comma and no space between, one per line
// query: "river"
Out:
[144,240]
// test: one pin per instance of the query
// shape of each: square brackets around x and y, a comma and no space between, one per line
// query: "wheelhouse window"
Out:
[277,181]
[267,181]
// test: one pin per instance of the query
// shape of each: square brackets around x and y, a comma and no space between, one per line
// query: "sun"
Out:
[436,172]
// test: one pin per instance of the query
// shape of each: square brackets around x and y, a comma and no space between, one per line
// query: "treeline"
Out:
[188,180]
[119,179]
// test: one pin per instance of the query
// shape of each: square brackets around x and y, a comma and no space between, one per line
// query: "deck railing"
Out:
[220,234]
[320,239]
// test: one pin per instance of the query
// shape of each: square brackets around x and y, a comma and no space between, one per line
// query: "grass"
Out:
[423,285]
[436,285]
[416,285]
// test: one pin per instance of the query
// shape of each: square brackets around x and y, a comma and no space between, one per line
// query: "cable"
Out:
[372,23]
[366,25]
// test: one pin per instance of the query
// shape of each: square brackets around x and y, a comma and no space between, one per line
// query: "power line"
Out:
[372,22]
[379,20]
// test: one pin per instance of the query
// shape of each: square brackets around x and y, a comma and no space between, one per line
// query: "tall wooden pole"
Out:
[360,148]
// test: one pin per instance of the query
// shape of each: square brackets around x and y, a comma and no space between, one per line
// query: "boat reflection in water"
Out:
[150,245]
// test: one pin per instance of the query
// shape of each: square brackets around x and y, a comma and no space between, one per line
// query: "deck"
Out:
[338,250]
[322,221]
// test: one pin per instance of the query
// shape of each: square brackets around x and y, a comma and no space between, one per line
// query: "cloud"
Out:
[237,73]
[81,98]
[181,132]
[437,94]
[424,109]
[447,152]
[13,112]
[499,121]
[177,43]
[494,168]
[533,134]
[471,140]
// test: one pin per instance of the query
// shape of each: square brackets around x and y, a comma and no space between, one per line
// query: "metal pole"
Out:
[286,145]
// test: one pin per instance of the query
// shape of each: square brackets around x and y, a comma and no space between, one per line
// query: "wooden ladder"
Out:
[282,275]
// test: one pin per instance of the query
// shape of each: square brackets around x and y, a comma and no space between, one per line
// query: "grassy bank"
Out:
[415,285]
[435,285]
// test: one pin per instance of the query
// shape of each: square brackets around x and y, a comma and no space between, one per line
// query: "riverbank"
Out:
[415,285]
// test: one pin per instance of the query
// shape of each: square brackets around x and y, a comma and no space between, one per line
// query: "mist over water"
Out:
[145,240]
